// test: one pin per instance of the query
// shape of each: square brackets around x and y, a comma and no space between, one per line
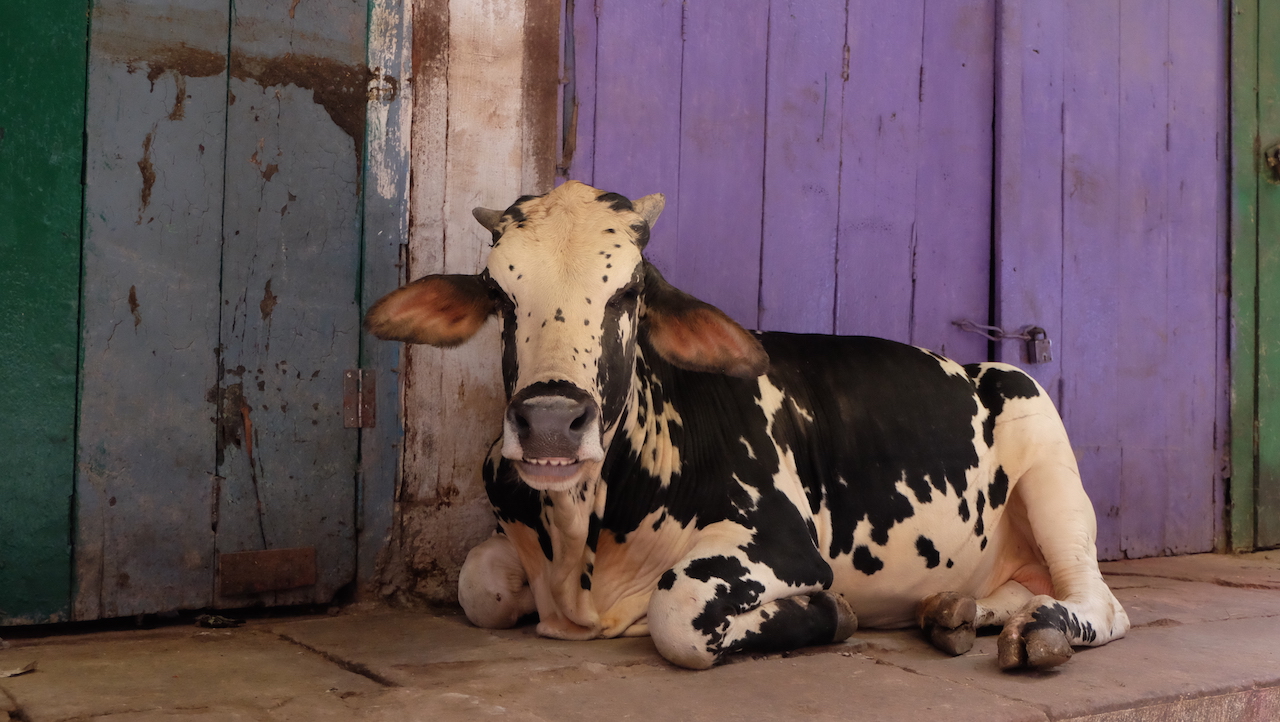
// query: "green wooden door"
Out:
[42,81]
[1255,231]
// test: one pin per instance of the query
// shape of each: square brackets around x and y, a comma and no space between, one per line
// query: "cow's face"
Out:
[569,282]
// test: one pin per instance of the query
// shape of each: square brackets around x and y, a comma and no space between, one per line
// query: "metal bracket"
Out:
[359,399]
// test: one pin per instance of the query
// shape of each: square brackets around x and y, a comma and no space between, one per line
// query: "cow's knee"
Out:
[492,586]
[671,625]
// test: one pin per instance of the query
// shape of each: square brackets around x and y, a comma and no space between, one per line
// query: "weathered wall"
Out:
[484,133]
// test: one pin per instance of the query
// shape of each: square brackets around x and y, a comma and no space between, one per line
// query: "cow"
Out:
[663,471]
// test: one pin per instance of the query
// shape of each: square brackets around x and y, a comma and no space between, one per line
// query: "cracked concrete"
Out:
[1204,647]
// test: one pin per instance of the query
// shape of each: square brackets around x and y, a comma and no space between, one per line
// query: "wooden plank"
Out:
[1267,509]
[716,255]
[953,180]
[1091,175]
[1244,272]
[290,303]
[1028,186]
[802,165]
[1140,254]
[637,112]
[879,161]
[42,78]
[581,120]
[146,477]
[454,398]
[1195,363]
[386,232]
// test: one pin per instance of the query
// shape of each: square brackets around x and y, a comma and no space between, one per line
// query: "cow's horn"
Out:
[488,217]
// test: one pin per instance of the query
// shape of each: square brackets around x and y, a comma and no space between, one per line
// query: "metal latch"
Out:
[359,399]
[1039,347]
[1271,161]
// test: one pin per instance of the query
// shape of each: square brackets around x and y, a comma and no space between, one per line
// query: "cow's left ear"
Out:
[440,310]
[695,335]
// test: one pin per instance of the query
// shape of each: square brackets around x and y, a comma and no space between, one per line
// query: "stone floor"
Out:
[1205,647]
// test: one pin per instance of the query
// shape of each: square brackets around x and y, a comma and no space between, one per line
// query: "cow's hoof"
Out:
[946,618]
[1037,648]
[846,620]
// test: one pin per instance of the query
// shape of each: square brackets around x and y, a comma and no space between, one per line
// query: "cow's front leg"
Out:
[713,604]
[493,588]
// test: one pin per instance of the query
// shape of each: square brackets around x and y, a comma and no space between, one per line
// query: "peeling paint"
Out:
[134,306]
[148,175]
[268,303]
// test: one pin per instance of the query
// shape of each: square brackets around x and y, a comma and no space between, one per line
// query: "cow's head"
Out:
[568,280]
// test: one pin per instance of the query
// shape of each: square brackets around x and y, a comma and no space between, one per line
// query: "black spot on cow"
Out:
[616,201]
[925,548]
[605,278]
[995,386]
[950,564]
[515,502]
[559,315]
[609,230]
[642,233]
[593,531]
[866,562]
[1057,616]
[983,545]
[657,524]
[999,489]
[585,581]
[736,593]
[667,580]
[978,526]
[964,510]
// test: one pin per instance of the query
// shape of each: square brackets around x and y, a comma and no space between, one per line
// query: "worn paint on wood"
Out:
[147,475]
[290,300]
[1267,507]
[477,68]
[1245,180]
[42,79]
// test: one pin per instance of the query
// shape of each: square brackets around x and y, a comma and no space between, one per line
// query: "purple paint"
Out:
[802,165]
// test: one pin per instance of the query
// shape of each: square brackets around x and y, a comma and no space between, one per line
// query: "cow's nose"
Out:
[551,426]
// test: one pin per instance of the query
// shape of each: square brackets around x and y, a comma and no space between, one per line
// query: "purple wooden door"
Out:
[832,166]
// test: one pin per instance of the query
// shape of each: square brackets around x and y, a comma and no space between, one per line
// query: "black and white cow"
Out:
[662,471]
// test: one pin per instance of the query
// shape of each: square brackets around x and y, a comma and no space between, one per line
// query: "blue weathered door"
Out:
[221,303]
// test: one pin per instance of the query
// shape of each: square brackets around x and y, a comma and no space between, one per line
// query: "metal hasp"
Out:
[271,570]
[359,399]
[1039,347]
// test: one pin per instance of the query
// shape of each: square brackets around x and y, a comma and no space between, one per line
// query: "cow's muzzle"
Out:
[552,433]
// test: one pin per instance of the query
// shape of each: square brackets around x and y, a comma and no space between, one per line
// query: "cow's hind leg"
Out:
[951,620]
[1082,610]
[714,604]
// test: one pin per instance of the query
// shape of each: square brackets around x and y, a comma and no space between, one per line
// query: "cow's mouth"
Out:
[550,474]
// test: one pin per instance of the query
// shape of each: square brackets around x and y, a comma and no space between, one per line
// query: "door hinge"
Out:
[359,399]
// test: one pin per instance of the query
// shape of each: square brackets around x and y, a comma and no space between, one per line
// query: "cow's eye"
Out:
[626,295]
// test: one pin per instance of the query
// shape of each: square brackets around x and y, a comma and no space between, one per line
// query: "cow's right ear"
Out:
[695,335]
[439,310]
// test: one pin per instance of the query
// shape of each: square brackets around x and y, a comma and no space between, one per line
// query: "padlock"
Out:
[1039,348]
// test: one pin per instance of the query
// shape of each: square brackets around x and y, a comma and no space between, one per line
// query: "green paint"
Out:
[42,82]
[1244,270]
[1267,182]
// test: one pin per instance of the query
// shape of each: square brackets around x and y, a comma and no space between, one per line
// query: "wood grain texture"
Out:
[1267,509]
[42,78]
[147,473]
[290,304]
[802,165]
[1244,272]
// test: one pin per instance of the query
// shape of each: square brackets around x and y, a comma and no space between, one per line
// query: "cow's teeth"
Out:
[551,462]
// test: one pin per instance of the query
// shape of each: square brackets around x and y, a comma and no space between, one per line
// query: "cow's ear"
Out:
[440,310]
[650,207]
[695,335]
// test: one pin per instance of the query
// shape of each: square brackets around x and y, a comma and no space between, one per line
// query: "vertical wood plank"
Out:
[454,398]
[42,79]
[1244,272]
[1267,509]
[1196,188]
[1091,175]
[716,255]
[1028,187]
[879,161]
[802,165]
[290,310]
[1140,255]
[637,111]
[147,475]
[385,241]
[953,181]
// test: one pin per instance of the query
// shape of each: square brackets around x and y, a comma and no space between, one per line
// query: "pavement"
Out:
[1205,647]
